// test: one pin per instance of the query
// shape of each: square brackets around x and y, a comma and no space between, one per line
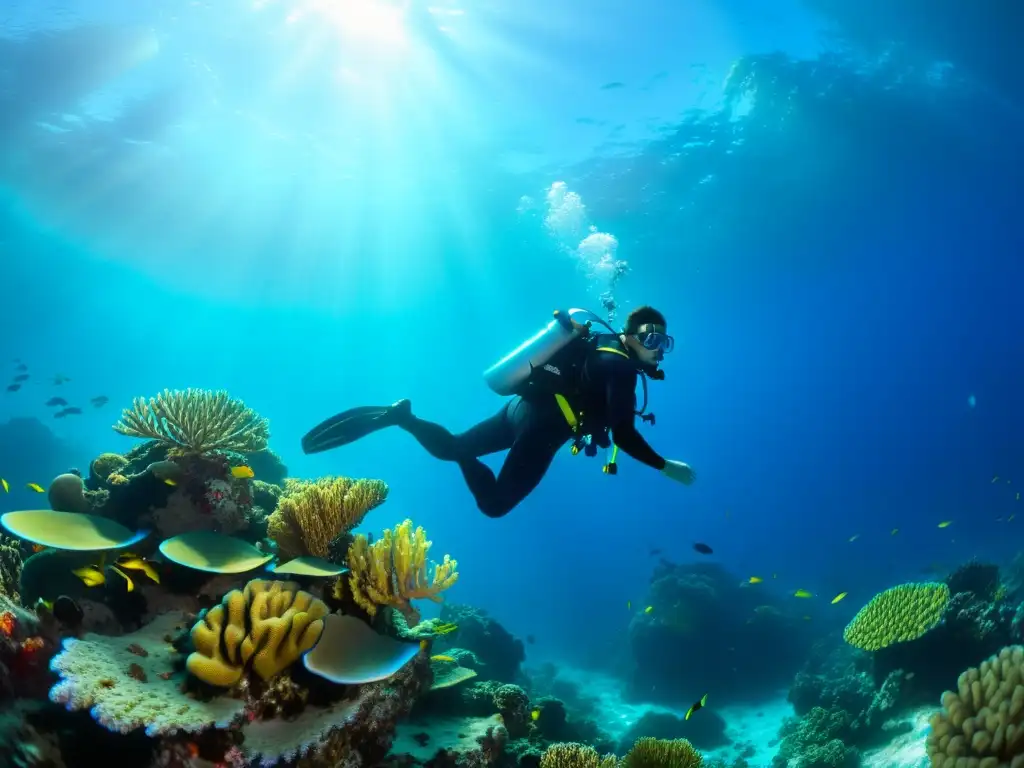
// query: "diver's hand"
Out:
[679,471]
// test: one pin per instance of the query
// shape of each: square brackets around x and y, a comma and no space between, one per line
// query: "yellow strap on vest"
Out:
[615,453]
[567,411]
[612,349]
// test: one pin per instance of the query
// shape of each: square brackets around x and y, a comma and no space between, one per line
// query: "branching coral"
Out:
[898,614]
[981,725]
[572,755]
[10,568]
[196,421]
[310,515]
[393,571]
[272,623]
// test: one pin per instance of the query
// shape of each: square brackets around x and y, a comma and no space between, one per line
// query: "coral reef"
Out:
[982,722]
[196,421]
[10,568]
[271,623]
[498,655]
[662,753]
[693,606]
[311,515]
[392,571]
[901,613]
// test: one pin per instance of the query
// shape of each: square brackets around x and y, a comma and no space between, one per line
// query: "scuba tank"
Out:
[508,375]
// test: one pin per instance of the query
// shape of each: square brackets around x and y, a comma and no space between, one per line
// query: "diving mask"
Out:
[653,337]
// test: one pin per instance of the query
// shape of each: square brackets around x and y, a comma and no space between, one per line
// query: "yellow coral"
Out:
[393,571]
[196,421]
[106,464]
[898,614]
[662,753]
[573,755]
[982,723]
[310,515]
[283,623]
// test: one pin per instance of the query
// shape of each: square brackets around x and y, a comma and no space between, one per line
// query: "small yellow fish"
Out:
[535,715]
[855,537]
[445,628]
[170,482]
[135,563]
[755,580]
[696,706]
[802,593]
[629,605]
[35,487]
[125,576]
[839,597]
[995,478]
[91,576]
[894,531]
[442,657]
[242,472]
[7,488]
[44,604]
[648,609]
[945,524]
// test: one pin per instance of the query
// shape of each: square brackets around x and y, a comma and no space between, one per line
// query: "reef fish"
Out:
[5,485]
[754,580]
[35,487]
[13,387]
[72,411]
[100,401]
[60,379]
[802,593]
[945,524]
[21,367]
[704,549]
[442,657]
[242,472]
[54,401]
[139,564]
[696,705]
[838,597]
[21,377]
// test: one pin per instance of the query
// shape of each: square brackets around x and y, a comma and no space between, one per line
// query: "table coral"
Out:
[393,571]
[310,515]
[130,682]
[572,755]
[270,622]
[196,421]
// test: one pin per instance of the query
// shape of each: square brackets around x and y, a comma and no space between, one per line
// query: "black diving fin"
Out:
[351,425]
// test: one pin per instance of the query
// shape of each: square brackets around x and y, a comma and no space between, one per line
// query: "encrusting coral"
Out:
[196,421]
[270,622]
[310,515]
[898,614]
[981,724]
[392,571]
[129,682]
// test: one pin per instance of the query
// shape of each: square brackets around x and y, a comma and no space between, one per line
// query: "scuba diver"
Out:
[566,382]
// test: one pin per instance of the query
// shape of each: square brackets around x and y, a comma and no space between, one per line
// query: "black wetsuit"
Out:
[533,428]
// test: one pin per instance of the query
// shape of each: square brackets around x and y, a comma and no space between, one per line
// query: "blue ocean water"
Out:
[315,212]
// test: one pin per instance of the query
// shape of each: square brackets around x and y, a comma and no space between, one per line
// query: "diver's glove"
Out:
[679,471]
